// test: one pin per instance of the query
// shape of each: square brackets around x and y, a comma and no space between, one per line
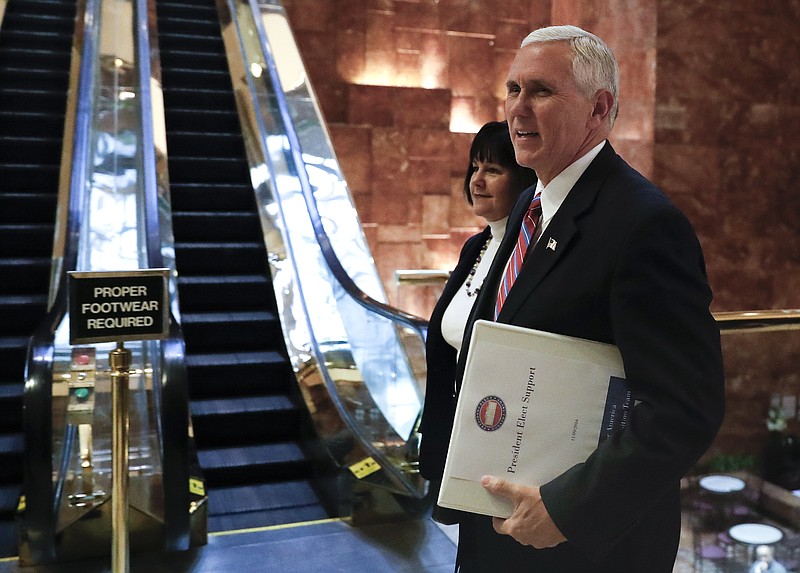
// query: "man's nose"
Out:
[515,107]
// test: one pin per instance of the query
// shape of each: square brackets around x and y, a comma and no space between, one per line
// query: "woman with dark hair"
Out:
[492,185]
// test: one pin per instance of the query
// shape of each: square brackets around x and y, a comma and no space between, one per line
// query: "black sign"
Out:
[116,306]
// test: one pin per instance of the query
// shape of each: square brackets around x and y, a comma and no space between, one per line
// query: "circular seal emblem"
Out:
[490,413]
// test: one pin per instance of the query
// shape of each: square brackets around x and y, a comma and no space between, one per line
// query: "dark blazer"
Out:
[440,404]
[619,263]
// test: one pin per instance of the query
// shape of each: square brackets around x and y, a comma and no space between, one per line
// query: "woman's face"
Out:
[491,189]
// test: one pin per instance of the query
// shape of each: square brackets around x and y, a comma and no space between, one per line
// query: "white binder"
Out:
[532,404]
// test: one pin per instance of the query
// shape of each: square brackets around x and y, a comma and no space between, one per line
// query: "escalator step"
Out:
[219,144]
[249,463]
[229,406]
[33,38]
[217,258]
[22,313]
[30,123]
[191,4]
[12,443]
[40,21]
[267,496]
[184,119]
[12,447]
[241,507]
[25,240]
[52,7]
[216,226]
[211,197]
[233,292]
[199,99]
[29,177]
[215,318]
[43,100]
[244,420]
[172,10]
[37,58]
[180,60]
[27,207]
[12,356]
[9,499]
[187,21]
[35,78]
[191,42]
[30,275]
[257,519]
[10,409]
[188,78]
[208,169]
[229,330]
[17,149]
[256,373]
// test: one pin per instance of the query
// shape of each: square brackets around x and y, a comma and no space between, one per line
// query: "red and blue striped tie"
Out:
[526,233]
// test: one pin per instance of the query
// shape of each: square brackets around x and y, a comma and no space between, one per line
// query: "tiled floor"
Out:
[414,546]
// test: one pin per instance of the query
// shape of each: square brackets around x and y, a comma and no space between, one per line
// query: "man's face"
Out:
[552,123]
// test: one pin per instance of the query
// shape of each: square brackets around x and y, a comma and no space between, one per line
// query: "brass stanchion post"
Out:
[120,361]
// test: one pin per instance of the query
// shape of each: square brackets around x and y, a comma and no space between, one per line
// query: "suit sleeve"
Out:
[658,304]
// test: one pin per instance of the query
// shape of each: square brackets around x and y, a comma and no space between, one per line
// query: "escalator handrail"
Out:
[418,324]
[37,409]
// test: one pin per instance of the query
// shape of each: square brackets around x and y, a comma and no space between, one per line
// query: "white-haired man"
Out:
[612,260]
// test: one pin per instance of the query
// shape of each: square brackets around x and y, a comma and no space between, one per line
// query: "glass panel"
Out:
[761,377]
[373,340]
[82,429]
[354,364]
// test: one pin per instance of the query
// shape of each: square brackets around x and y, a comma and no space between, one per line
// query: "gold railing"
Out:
[761,320]
[729,321]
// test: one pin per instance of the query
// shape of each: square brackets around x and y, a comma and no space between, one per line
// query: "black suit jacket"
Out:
[439,408]
[619,263]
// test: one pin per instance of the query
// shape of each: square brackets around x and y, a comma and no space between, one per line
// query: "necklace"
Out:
[468,282]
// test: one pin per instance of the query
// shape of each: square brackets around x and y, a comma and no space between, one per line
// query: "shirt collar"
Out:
[498,228]
[557,190]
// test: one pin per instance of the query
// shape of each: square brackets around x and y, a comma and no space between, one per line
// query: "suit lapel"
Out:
[553,245]
[562,229]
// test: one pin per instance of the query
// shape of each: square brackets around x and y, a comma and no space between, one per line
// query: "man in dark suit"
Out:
[612,260]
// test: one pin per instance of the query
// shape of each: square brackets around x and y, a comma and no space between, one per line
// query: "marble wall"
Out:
[727,115]
[709,110]
[727,111]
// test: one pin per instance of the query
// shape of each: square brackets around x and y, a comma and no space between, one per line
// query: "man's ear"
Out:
[603,103]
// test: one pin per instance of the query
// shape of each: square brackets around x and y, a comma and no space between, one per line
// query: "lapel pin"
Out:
[552,244]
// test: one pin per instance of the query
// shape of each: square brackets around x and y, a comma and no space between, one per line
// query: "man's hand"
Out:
[529,524]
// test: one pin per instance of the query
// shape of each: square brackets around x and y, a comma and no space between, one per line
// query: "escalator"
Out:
[35,41]
[249,423]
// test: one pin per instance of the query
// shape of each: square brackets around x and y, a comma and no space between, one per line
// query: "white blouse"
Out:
[455,316]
